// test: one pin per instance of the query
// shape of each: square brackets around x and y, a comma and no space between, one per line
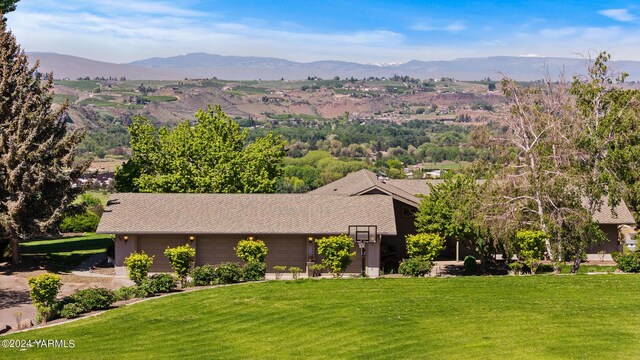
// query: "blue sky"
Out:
[373,31]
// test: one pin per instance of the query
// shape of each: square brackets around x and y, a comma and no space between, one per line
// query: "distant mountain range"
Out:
[201,65]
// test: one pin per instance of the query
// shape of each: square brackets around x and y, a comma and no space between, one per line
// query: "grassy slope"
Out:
[62,255]
[546,317]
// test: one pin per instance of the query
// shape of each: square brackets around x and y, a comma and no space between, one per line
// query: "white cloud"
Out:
[618,14]
[453,27]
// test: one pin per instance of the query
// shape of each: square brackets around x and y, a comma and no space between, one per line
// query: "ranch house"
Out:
[377,212]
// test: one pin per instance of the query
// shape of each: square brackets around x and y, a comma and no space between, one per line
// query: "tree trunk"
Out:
[15,250]
[576,262]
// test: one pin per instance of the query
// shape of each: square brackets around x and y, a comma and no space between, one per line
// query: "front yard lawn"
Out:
[62,255]
[506,317]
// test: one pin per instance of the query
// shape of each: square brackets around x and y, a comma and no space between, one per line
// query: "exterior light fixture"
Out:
[251,238]
[310,238]
[125,238]
[191,238]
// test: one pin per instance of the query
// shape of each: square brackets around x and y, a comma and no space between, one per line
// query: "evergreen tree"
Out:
[7,6]
[36,150]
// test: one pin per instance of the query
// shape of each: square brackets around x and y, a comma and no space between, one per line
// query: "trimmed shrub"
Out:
[531,246]
[204,275]
[279,269]
[78,223]
[158,283]
[251,250]
[71,310]
[44,289]
[181,259]
[516,267]
[229,273]
[470,265]
[628,262]
[295,271]
[337,253]
[415,266]
[138,265]
[254,271]
[93,299]
[426,246]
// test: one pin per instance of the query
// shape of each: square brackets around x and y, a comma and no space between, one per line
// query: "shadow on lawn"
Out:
[57,256]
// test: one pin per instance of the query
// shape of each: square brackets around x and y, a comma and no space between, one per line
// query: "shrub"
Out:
[94,298]
[279,270]
[531,246]
[415,266]
[138,265]
[229,273]
[158,283]
[127,293]
[204,275]
[71,310]
[337,253]
[516,267]
[426,246]
[295,271]
[316,269]
[628,262]
[250,250]
[470,265]
[77,223]
[44,289]
[254,271]
[181,259]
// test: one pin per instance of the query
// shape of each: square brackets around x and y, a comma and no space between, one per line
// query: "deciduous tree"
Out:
[210,156]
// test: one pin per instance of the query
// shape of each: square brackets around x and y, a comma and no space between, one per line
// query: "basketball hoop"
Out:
[363,235]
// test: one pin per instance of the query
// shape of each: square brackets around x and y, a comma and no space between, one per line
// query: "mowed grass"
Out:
[64,254]
[506,317]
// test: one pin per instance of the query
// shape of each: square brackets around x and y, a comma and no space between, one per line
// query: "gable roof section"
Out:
[408,190]
[308,214]
[364,182]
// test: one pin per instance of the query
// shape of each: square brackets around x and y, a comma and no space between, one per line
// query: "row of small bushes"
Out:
[44,291]
[228,273]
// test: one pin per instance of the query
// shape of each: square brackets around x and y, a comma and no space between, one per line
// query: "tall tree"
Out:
[564,157]
[7,6]
[210,156]
[36,150]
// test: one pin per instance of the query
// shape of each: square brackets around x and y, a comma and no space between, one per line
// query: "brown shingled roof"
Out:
[245,214]
[363,182]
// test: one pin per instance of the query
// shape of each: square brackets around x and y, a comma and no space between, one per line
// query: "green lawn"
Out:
[63,255]
[505,317]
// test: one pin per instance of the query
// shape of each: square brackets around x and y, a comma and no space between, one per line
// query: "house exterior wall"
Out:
[394,248]
[613,245]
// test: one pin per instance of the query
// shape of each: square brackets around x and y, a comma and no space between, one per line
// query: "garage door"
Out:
[286,251]
[155,245]
[214,250]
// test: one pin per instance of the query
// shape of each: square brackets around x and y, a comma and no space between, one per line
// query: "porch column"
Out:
[457,250]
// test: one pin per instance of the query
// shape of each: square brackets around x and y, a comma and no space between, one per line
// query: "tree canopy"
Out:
[561,158]
[7,6]
[210,156]
[36,150]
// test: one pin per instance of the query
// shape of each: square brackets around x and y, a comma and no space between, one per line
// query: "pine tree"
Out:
[36,149]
